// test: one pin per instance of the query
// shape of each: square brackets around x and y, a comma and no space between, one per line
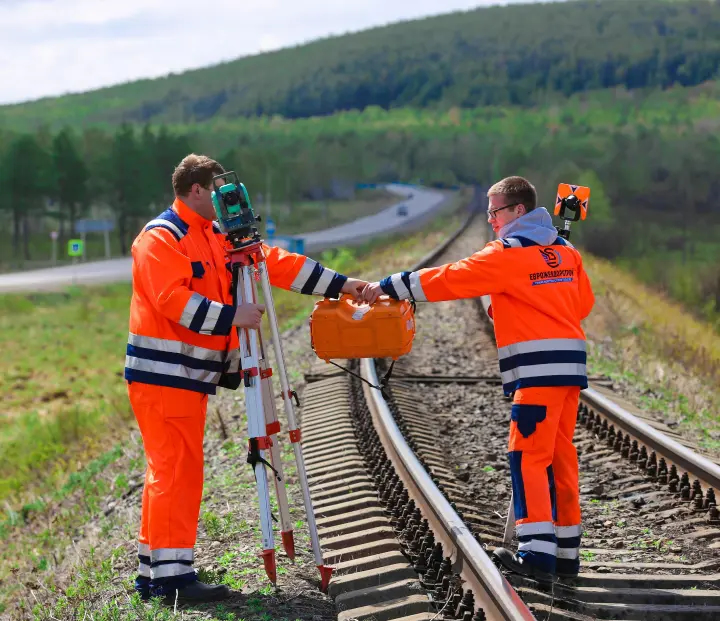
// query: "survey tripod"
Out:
[248,265]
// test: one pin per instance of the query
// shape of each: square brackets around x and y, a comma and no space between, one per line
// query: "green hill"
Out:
[518,55]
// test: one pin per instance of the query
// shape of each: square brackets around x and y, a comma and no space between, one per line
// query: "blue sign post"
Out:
[270,227]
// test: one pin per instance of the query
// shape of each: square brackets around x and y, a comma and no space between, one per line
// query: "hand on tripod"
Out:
[248,316]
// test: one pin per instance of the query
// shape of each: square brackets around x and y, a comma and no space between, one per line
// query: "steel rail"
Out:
[491,590]
[694,464]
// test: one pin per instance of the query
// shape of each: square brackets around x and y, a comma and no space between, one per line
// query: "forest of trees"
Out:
[516,55]
[651,164]
[60,176]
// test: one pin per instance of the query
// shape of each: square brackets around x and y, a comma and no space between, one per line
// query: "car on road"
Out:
[402,210]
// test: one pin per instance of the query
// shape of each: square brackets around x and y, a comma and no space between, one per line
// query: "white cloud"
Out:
[51,47]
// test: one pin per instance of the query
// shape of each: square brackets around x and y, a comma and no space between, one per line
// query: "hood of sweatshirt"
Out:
[536,226]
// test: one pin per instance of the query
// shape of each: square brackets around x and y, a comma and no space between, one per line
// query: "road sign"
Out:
[270,227]
[94,226]
[291,244]
[75,247]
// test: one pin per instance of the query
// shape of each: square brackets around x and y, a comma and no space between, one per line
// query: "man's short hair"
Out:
[194,169]
[516,190]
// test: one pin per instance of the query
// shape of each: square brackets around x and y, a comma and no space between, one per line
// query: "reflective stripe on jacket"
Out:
[539,296]
[181,310]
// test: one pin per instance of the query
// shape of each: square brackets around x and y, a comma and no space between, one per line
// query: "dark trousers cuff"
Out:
[165,586]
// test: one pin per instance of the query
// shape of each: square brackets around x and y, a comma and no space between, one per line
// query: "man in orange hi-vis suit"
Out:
[182,345]
[539,293]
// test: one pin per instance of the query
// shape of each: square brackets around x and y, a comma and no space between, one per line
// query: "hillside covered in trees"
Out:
[514,55]
[650,161]
[642,133]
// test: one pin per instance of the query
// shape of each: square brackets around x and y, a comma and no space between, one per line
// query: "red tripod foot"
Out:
[268,557]
[325,575]
[288,544]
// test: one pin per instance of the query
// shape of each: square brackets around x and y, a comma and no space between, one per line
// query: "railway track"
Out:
[409,508]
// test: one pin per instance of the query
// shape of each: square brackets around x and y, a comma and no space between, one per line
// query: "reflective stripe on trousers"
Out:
[543,362]
[172,423]
[168,562]
[544,471]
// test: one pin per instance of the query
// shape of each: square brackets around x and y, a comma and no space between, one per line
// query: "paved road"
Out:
[54,278]
[420,202]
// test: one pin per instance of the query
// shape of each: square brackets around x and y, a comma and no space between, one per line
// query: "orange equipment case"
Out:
[341,329]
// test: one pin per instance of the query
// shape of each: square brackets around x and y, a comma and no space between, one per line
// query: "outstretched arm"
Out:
[296,272]
[479,274]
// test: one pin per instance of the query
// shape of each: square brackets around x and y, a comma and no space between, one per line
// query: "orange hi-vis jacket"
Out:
[182,310]
[539,293]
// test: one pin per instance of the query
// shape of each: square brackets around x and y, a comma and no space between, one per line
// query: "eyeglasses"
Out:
[491,212]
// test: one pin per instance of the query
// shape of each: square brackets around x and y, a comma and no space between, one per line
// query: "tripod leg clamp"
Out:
[253,456]
[272,428]
[292,394]
[295,435]
[249,373]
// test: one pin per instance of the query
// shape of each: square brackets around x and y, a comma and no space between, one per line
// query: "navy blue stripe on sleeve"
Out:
[405,277]
[200,314]
[336,284]
[388,288]
[312,280]
[224,322]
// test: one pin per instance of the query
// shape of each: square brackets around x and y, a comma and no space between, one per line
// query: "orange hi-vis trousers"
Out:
[544,470]
[172,423]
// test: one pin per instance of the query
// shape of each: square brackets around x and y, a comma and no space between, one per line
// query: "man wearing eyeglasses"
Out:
[539,294]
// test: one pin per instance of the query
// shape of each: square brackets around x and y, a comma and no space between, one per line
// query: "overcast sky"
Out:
[52,47]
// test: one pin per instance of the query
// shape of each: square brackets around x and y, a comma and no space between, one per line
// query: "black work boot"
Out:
[518,565]
[142,586]
[197,592]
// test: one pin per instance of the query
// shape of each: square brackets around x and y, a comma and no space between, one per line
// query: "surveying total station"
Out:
[237,220]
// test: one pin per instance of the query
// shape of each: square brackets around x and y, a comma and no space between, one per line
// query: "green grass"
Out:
[642,339]
[61,383]
[690,275]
